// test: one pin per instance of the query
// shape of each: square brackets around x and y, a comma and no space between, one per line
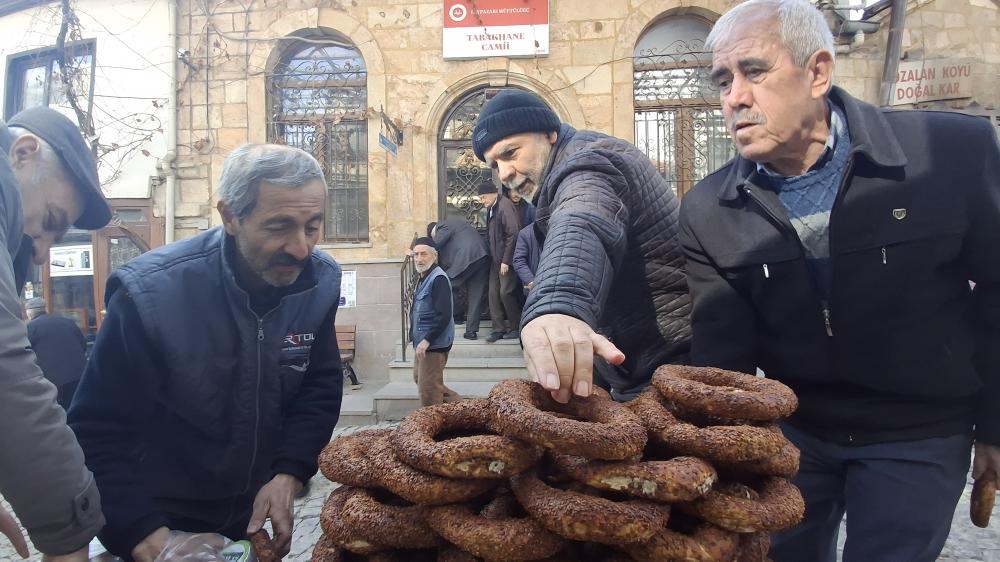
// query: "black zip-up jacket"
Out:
[197,393]
[904,349]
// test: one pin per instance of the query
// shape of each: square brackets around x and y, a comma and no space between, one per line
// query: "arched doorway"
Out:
[459,171]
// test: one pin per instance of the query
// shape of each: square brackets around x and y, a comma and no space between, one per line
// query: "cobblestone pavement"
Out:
[967,543]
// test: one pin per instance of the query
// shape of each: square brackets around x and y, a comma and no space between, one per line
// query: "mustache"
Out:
[287,260]
[746,116]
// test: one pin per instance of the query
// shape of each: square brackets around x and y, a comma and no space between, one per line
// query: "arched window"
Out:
[678,120]
[318,101]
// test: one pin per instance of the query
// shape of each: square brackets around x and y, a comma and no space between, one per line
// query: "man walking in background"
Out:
[463,255]
[504,222]
[432,328]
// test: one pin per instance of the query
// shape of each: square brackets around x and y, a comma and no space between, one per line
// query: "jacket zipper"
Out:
[826,319]
[884,260]
[827,312]
[253,456]
[260,361]
[256,403]
[767,274]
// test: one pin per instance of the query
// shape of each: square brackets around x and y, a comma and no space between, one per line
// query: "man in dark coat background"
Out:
[527,253]
[504,222]
[60,348]
[463,255]
[611,263]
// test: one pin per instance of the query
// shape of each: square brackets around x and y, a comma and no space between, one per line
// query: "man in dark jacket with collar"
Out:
[48,181]
[503,223]
[215,379]
[465,258]
[610,264]
[835,253]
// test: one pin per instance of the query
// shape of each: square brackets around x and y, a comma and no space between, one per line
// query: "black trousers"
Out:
[475,279]
[505,305]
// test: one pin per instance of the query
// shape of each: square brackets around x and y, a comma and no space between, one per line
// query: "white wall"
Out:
[133,56]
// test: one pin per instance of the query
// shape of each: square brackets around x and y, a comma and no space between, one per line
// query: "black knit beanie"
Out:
[509,113]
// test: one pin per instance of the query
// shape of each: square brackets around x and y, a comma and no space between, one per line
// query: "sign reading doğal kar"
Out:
[935,79]
[476,29]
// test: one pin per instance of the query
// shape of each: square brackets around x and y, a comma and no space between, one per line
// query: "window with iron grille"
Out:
[318,101]
[678,119]
[37,78]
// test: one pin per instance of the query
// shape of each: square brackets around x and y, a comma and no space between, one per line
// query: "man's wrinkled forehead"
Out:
[742,49]
[753,35]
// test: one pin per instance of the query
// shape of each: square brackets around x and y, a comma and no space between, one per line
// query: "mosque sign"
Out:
[476,29]
[933,79]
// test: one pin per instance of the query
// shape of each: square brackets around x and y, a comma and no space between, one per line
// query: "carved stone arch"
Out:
[637,22]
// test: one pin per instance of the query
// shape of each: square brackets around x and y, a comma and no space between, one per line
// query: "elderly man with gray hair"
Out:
[48,182]
[215,379]
[835,253]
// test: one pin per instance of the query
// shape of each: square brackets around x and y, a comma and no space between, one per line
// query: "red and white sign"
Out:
[935,79]
[475,29]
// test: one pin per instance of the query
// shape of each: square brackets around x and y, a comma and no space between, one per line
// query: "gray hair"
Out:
[801,26]
[250,164]
[51,163]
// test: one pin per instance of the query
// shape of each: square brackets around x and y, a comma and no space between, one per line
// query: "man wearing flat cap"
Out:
[48,182]
[611,268]
[432,326]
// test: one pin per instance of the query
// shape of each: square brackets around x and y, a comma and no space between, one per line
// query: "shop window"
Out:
[318,101]
[71,280]
[36,78]
[678,119]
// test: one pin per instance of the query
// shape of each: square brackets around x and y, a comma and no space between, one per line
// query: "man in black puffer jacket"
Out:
[611,265]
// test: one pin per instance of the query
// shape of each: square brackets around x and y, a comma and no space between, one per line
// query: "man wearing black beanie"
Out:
[611,266]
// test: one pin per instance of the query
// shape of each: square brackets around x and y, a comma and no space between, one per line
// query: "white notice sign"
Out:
[349,289]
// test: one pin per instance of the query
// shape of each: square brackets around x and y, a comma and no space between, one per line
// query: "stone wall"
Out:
[587,78]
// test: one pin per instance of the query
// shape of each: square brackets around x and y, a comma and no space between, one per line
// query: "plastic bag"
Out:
[193,547]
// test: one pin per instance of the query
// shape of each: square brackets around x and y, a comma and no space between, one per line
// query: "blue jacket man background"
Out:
[215,380]
[432,326]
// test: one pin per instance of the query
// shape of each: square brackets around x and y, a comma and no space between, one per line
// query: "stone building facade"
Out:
[253,72]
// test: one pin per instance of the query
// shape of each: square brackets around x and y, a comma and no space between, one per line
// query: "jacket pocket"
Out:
[292,367]
[746,271]
[204,397]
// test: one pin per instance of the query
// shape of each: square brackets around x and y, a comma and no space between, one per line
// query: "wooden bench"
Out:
[346,334]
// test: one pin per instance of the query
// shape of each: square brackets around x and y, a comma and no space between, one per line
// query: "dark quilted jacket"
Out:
[610,254]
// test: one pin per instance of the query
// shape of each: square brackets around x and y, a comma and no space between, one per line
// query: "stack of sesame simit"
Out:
[694,469]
